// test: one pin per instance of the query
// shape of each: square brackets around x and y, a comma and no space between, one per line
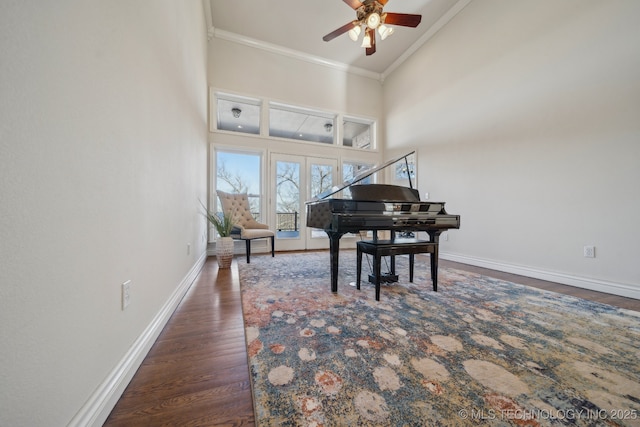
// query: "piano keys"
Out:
[375,207]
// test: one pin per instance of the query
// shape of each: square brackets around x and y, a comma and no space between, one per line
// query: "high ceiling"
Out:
[297,26]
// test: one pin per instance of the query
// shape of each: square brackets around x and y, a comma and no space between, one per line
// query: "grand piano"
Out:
[375,207]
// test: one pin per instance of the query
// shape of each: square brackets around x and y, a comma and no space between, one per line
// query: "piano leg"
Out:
[392,261]
[434,268]
[434,237]
[334,251]
[359,269]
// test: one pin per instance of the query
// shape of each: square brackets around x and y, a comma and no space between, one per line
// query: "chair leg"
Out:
[248,242]
[273,246]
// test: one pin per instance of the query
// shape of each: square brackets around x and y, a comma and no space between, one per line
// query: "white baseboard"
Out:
[99,405]
[614,288]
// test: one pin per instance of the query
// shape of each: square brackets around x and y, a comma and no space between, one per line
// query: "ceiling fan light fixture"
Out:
[370,16]
[373,20]
[354,33]
[385,31]
[366,41]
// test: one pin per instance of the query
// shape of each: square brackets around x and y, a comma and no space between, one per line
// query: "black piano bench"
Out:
[380,248]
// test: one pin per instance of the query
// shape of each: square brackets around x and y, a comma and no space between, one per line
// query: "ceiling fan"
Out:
[370,16]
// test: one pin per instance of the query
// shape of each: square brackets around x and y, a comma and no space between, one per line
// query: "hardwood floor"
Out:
[196,374]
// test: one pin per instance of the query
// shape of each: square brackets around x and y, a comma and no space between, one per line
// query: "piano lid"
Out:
[362,175]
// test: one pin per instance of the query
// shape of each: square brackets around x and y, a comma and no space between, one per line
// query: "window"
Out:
[352,169]
[238,114]
[357,133]
[406,169]
[240,172]
[301,124]
[241,114]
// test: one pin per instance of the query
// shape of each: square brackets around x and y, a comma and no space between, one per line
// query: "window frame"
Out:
[214,204]
[240,101]
[372,124]
[321,119]
[335,118]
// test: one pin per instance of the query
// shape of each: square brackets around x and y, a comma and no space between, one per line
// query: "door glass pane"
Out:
[321,177]
[287,199]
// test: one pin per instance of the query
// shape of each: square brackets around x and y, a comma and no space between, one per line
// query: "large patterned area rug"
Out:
[480,351]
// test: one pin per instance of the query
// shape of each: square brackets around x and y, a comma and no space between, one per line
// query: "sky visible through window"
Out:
[242,171]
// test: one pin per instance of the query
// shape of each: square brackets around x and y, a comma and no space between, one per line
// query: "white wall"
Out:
[526,118]
[103,115]
[260,73]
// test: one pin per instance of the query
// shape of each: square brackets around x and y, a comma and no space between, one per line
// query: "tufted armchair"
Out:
[245,226]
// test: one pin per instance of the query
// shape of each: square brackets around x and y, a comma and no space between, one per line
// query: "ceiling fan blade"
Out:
[371,50]
[404,19]
[335,33]
[355,4]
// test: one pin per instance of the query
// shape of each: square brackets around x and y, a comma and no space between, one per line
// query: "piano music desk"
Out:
[380,248]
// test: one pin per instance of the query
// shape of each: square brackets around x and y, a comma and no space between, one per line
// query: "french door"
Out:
[295,180]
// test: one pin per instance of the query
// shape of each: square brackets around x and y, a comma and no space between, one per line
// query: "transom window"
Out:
[235,113]
[238,114]
[296,123]
[357,133]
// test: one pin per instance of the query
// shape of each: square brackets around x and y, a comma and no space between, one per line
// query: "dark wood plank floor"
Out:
[196,374]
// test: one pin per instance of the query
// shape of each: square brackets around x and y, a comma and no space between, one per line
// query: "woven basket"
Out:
[224,251]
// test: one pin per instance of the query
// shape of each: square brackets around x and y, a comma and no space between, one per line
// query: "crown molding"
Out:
[208,18]
[280,50]
[258,44]
[444,20]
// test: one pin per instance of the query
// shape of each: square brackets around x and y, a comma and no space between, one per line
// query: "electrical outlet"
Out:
[445,236]
[589,251]
[126,294]
[426,196]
